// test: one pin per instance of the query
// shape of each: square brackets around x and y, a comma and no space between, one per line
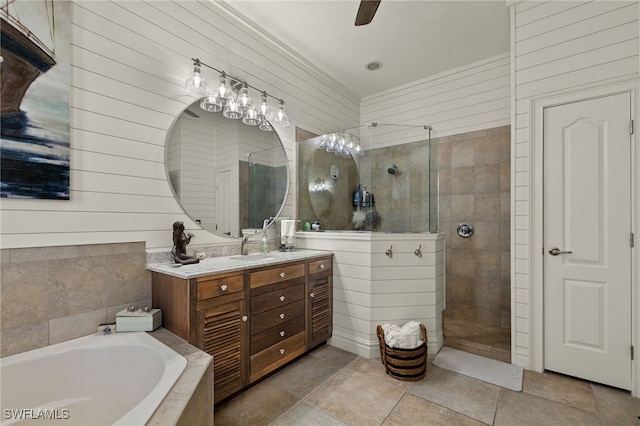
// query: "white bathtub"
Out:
[119,379]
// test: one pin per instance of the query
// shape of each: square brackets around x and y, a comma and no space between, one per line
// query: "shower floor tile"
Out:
[487,341]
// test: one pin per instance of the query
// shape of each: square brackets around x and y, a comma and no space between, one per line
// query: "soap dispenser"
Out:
[264,245]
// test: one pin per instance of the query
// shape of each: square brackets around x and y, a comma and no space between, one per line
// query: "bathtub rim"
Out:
[174,366]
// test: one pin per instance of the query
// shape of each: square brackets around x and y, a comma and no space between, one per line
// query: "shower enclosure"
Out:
[377,177]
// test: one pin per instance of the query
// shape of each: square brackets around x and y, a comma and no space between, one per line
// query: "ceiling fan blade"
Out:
[366,11]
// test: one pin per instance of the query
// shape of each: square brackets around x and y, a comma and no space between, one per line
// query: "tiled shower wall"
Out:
[53,294]
[475,173]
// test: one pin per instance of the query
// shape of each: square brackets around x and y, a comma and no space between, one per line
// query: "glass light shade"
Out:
[232,109]
[196,82]
[280,116]
[265,125]
[223,90]
[211,103]
[332,143]
[244,100]
[263,109]
[251,116]
[358,151]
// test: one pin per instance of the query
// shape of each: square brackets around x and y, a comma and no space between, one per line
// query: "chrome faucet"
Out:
[244,244]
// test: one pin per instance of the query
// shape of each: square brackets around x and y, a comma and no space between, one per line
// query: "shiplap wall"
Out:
[557,47]
[473,97]
[129,60]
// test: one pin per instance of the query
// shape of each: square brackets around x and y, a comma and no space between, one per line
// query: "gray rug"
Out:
[488,370]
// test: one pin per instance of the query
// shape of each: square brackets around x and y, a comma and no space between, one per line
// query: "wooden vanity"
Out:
[253,318]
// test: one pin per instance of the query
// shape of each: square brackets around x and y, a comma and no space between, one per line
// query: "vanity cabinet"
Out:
[277,316]
[252,321]
[320,301]
[222,329]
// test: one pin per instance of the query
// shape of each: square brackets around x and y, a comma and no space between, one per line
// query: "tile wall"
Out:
[53,294]
[475,174]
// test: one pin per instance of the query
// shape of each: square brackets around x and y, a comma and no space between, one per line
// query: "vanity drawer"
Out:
[276,274]
[319,266]
[274,335]
[208,287]
[278,316]
[278,297]
[277,355]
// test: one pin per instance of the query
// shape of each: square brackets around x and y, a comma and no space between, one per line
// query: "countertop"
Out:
[216,265]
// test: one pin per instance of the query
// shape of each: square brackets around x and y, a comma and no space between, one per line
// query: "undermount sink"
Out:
[256,257]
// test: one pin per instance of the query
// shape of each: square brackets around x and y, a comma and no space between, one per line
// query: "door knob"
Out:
[556,251]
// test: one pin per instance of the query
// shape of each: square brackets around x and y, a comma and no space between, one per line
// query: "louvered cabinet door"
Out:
[222,332]
[320,311]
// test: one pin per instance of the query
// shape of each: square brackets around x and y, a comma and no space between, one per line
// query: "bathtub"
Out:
[118,379]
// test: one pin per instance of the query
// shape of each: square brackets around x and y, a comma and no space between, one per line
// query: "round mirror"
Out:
[226,175]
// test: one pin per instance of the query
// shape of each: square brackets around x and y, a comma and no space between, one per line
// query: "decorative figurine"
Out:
[180,241]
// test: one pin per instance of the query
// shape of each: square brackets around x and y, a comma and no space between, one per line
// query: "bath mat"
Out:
[488,370]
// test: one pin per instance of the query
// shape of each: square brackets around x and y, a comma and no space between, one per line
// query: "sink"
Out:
[255,257]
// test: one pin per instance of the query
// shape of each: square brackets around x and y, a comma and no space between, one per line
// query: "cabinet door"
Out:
[320,314]
[222,332]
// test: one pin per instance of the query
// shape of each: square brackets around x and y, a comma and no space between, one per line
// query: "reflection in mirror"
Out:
[226,175]
[390,185]
[325,182]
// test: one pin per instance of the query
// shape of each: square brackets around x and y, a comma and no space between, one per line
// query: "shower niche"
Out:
[377,177]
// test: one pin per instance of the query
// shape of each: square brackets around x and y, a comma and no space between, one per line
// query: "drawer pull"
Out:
[223,287]
[282,298]
[322,266]
[244,318]
[281,316]
[282,333]
[281,274]
[281,351]
[312,294]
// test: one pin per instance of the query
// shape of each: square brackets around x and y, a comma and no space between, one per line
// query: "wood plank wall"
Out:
[473,97]
[557,47]
[129,60]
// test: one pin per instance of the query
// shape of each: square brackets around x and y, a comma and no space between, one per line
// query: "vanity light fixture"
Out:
[231,96]
[196,81]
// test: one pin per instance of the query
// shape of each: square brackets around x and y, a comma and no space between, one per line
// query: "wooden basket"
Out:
[404,364]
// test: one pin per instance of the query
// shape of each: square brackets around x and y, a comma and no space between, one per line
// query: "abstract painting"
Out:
[34,107]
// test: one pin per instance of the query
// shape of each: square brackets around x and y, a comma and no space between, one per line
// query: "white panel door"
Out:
[224,204]
[587,232]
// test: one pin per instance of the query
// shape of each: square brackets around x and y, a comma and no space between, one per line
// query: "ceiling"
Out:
[413,39]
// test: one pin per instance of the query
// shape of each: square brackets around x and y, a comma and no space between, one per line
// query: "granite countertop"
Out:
[215,265]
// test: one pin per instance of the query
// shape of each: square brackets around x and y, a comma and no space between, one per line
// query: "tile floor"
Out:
[332,387]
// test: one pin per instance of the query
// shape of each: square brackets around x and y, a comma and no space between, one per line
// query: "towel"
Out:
[287,232]
[405,337]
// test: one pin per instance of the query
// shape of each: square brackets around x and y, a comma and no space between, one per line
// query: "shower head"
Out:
[393,169]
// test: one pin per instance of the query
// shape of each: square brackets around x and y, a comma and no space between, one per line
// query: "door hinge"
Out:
[631,352]
[632,240]
[632,127]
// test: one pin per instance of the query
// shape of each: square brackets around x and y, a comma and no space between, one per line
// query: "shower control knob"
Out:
[465,230]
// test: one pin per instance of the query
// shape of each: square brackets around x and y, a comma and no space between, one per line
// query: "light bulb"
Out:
[196,82]
[244,100]
[280,116]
